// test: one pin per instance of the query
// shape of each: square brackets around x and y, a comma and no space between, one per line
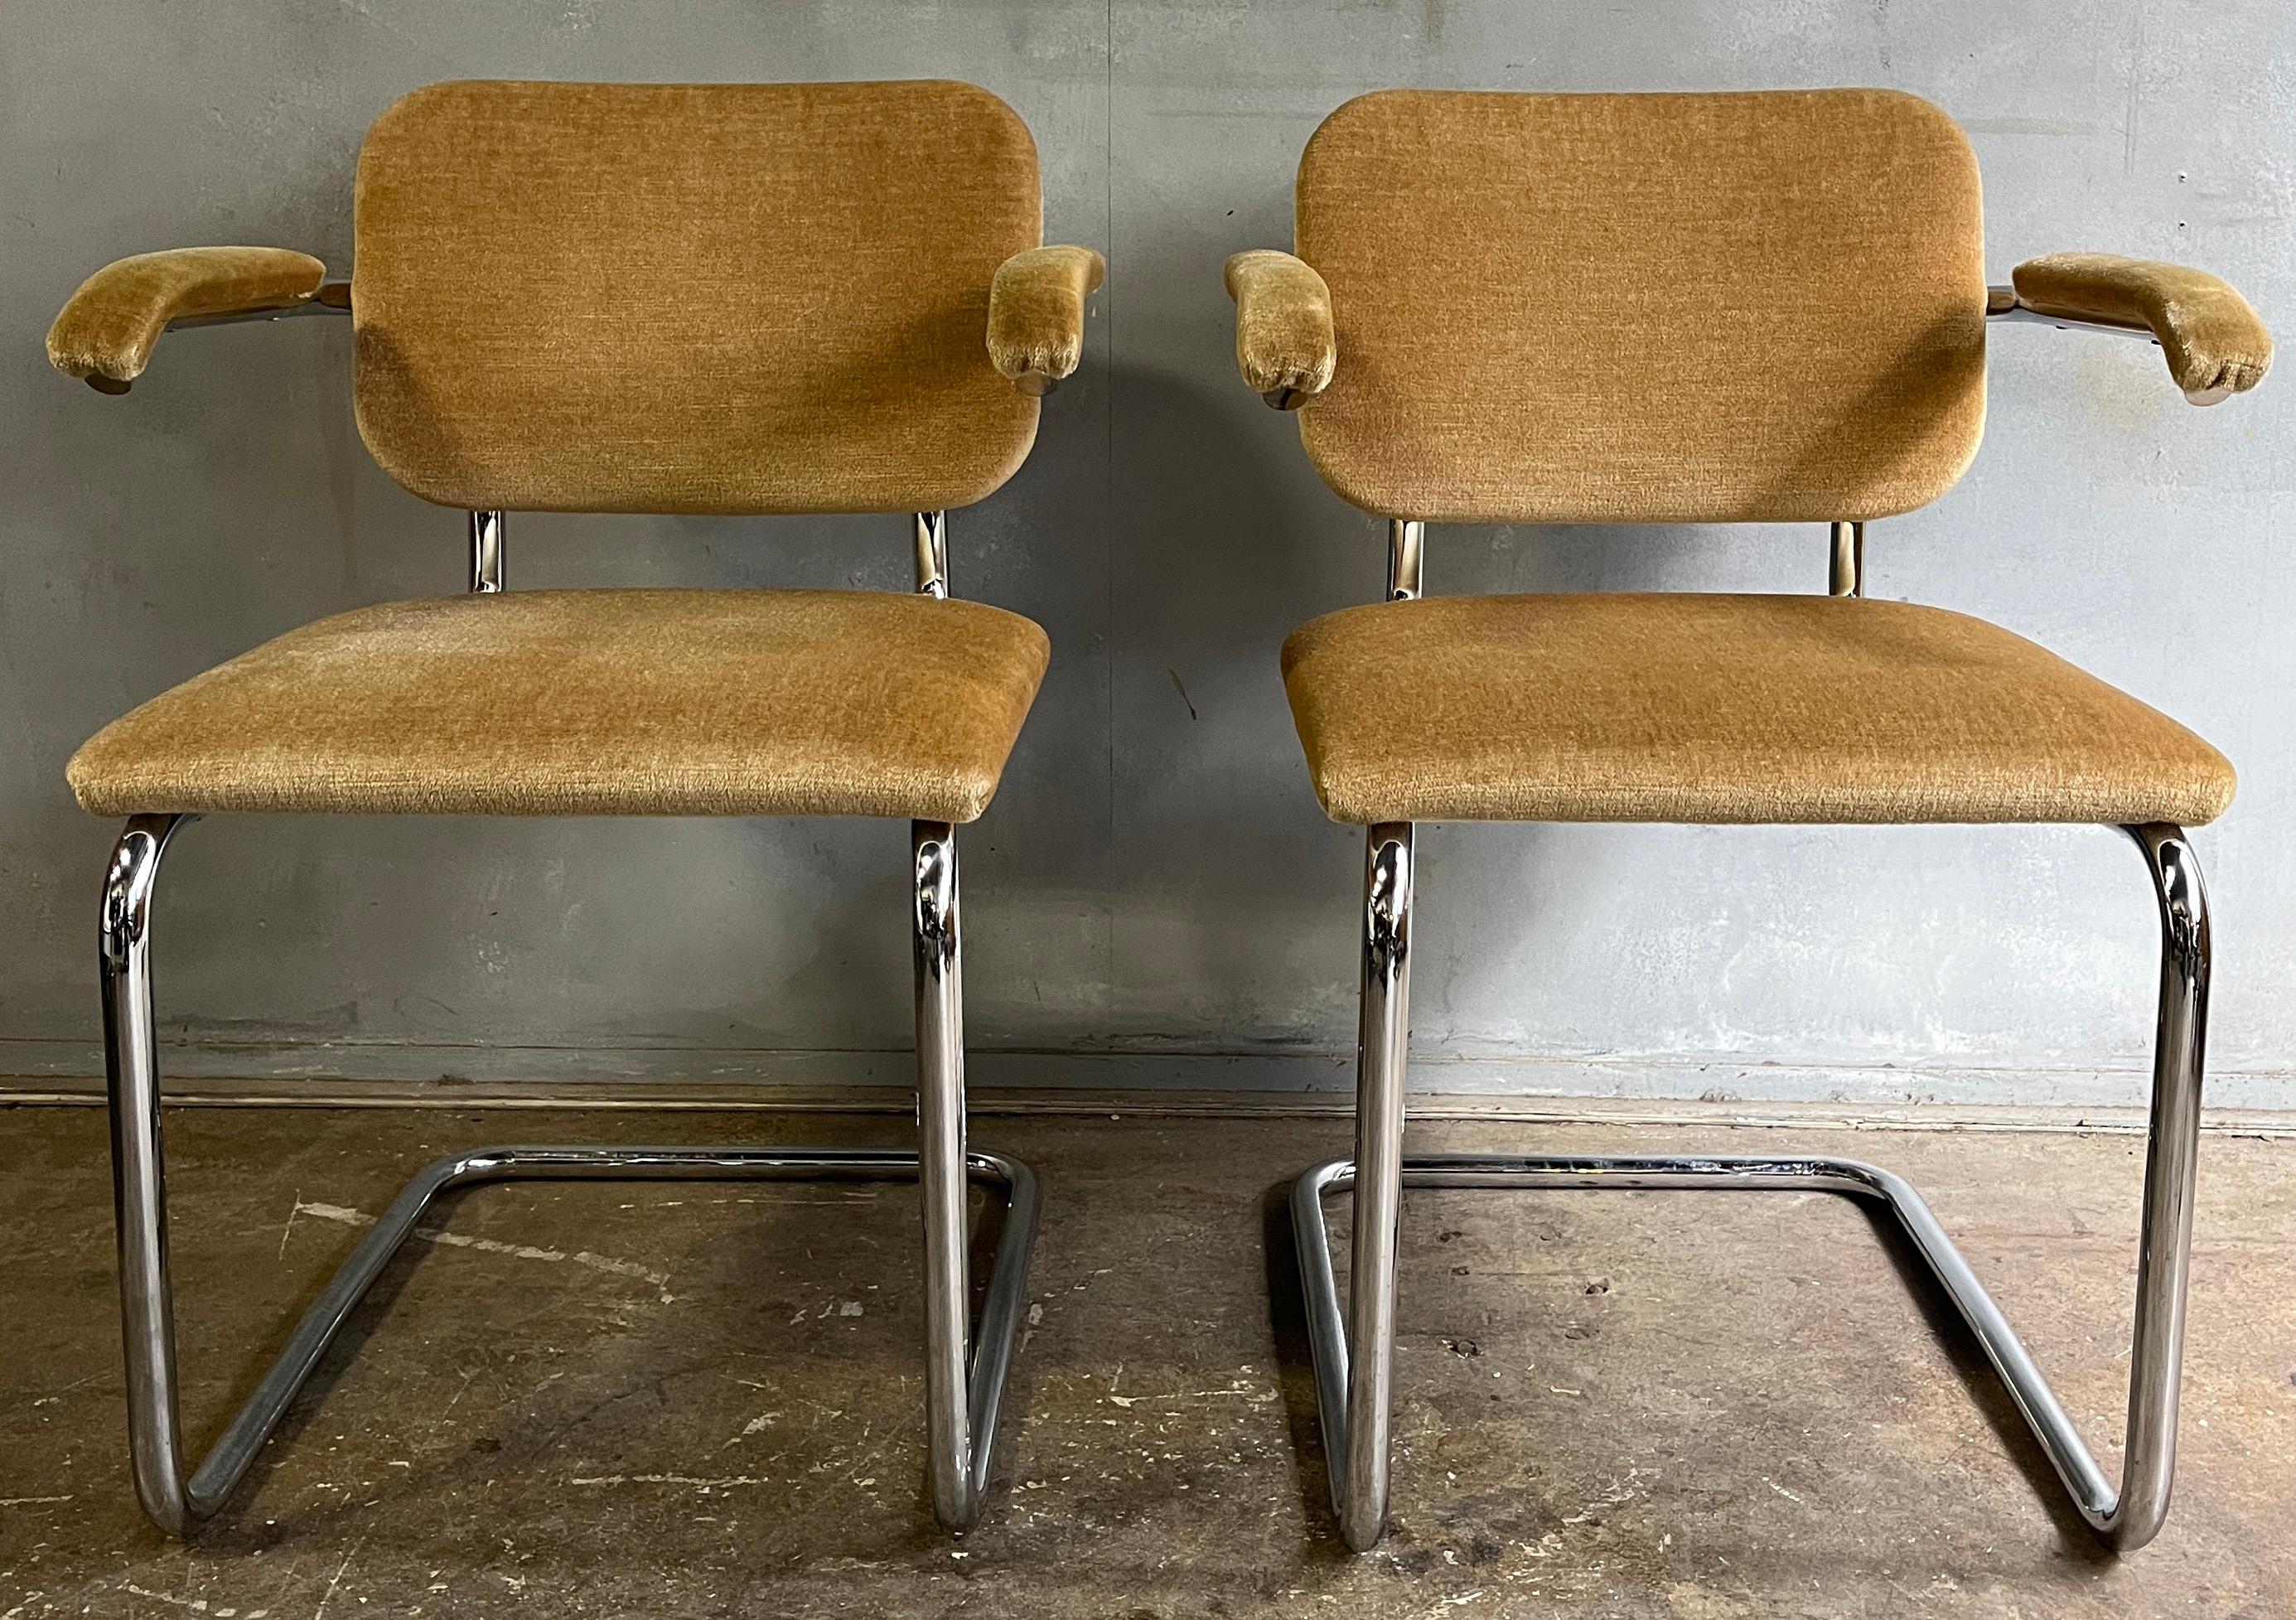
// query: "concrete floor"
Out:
[697,1401]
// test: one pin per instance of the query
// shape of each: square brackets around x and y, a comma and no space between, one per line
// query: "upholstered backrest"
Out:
[1645,309]
[690,298]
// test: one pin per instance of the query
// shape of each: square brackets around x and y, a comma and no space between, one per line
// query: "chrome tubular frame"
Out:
[2003,304]
[1848,577]
[961,1400]
[1382,1039]
[332,298]
[485,553]
[1406,543]
[930,530]
[1355,1360]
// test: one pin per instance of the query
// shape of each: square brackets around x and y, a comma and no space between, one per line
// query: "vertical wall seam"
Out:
[1108,507]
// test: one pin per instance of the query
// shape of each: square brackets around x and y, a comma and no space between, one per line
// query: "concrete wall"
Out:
[1154,899]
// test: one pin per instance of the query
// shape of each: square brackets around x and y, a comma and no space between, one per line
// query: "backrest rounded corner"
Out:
[1021,447]
[1362,104]
[1948,474]
[1928,112]
[1328,130]
[383,451]
[1337,474]
[409,107]
[1024,139]
[407,104]
[996,106]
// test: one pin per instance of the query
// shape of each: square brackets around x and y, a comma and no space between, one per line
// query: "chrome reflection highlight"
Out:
[486,553]
[1406,542]
[1382,1040]
[1847,575]
[930,531]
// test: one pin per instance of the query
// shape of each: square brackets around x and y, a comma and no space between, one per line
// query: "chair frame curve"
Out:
[965,1366]
[1354,1348]
[1354,1351]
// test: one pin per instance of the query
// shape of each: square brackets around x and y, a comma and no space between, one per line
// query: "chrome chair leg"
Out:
[962,1415]
[147,1304]
[1353,1401]
[940,1143]
[2135,1514]
[1359,1472]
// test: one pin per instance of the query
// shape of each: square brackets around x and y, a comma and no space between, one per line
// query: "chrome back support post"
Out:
[1848,577]
[1405,542]
[486,553]
[931,532]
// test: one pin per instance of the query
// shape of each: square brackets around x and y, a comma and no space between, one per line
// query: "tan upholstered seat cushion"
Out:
[1723,708]
[653,703]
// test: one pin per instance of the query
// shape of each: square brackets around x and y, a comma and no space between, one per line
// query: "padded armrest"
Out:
[1036,313]
[106,333]
[1283,342]
[2217,345]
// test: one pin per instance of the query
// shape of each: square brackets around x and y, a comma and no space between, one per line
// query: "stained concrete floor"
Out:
[688,1400]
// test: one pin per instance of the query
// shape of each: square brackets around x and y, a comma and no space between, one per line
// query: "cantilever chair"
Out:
[1696,308]
[626,298]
